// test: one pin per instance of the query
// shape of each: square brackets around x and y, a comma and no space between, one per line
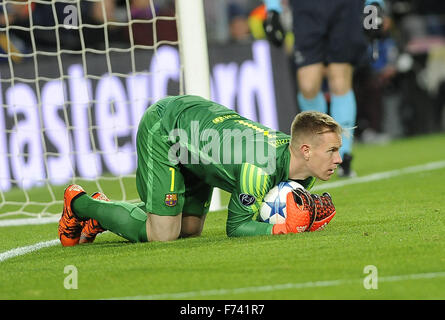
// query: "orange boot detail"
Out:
[70,226]
[91,228]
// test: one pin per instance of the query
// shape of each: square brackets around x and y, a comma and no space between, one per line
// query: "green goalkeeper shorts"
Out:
[167,189]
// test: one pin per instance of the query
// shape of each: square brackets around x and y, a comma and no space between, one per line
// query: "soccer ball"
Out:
[273,208]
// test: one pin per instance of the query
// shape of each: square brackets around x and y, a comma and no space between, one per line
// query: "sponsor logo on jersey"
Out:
[246,199]
[171,199]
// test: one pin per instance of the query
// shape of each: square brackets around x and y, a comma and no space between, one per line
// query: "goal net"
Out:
[76,77]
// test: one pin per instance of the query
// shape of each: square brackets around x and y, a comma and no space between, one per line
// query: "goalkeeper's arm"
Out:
[248,227]
[240,218]
[305,212]
[300,209]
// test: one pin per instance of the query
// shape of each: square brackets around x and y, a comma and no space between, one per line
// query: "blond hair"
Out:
[311,124]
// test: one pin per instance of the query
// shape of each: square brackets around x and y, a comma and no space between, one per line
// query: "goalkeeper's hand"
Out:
[306,212]
[300,213]
[273,28]
[325,211]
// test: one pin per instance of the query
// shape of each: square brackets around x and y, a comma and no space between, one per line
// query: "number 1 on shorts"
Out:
[172,183]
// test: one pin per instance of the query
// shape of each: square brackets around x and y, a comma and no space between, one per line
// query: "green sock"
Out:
[124,219]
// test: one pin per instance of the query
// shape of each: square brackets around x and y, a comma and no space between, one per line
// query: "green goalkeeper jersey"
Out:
[223,149]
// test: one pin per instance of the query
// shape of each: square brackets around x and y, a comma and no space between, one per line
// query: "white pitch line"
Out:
[277,287]
[28,221]
[382,175]
[24,250]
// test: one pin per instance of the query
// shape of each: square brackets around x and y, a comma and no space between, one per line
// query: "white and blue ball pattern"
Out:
[273,208]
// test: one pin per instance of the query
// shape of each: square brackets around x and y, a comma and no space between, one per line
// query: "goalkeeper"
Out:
[186,146]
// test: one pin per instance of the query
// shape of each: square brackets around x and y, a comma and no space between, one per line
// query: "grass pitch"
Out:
[396,225]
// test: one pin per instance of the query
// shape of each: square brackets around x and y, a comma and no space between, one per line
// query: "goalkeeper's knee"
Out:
[125,220]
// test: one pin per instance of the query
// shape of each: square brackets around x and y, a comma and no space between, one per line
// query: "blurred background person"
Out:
[155,21]
[16,41]
[372,82]
[239,29]
[329,42]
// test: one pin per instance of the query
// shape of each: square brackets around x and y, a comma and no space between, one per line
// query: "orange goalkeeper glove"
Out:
[325,211]
[300,213]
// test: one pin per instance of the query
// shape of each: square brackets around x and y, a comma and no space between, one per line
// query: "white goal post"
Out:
[195,58]
[69,114]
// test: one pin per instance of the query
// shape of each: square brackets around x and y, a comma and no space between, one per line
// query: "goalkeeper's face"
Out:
[324,156]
